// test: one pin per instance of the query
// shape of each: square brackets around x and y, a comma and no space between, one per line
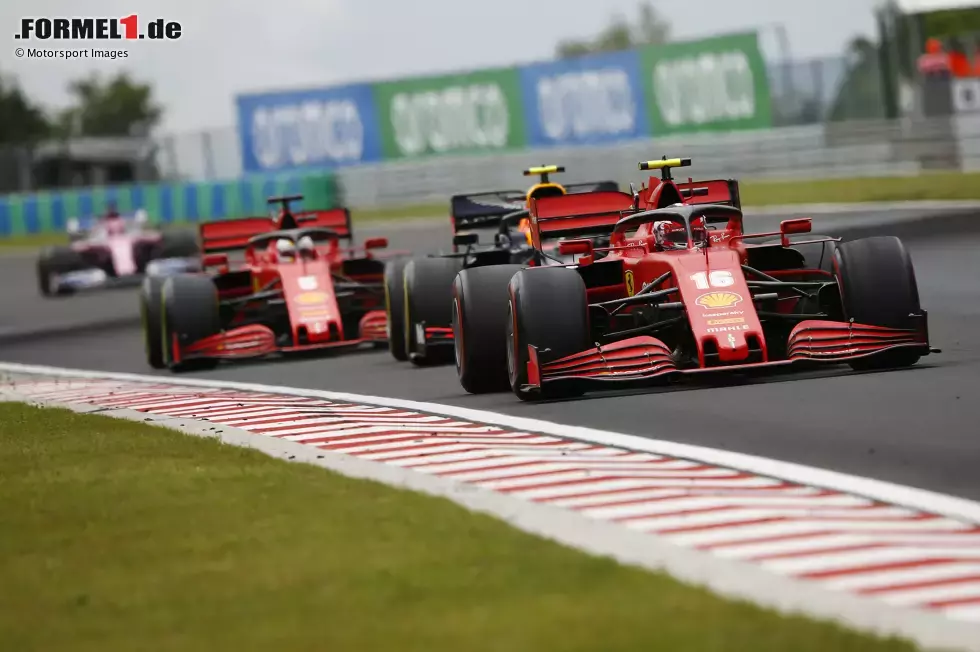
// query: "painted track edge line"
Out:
[728,578]
[924,500]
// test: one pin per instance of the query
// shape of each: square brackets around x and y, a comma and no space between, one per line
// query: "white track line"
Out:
[908,548]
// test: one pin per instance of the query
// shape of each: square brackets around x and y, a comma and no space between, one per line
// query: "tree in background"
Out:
[650,28]
[21,121]
[860,95]
[119,106]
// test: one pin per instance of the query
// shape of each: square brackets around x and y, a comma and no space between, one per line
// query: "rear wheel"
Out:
[151,314]
[179,244]
[878,288]
[190,313]
[395,307]
[428,303]
[479,319]
[548,309]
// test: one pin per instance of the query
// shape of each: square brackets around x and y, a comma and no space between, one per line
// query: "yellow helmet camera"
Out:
[545,188]
[665,164]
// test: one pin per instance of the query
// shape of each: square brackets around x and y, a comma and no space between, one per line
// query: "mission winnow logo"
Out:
[130,28]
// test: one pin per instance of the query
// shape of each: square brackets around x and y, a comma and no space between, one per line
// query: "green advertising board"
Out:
[454,114]
[718,84]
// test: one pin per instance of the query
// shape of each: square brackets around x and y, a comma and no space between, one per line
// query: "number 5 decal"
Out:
[717,279]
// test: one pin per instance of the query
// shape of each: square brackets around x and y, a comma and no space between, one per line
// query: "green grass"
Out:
[937,186]
[119,536]
[33,241]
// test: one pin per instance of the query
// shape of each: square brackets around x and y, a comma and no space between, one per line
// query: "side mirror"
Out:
[376,243]
[214,260]
[572,247]
[792,227]
[465,239]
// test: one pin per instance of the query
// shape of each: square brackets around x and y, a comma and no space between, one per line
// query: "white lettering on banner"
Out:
[709,87]
[589,103]
[307,133]
[458,117]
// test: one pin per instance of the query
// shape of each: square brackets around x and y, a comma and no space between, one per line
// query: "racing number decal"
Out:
[629,283]
[717,279]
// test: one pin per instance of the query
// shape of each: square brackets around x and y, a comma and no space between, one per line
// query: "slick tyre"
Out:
[547,308]
[878,288]
[394,281]
[54,261]
[151,315]
[428,303]
[189,313]
[178,244]
[479,320]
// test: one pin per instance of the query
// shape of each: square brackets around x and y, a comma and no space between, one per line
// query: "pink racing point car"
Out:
[114,251]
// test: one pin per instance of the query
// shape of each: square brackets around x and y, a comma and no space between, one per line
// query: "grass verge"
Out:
[940,186]
[117,536]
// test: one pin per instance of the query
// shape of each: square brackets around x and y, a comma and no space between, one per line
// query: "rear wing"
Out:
[335,219]
[232,235]
[594,186]
[486,209]
[577,215]
[716,191]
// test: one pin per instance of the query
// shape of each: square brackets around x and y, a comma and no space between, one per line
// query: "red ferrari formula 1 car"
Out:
[682,290]
[298,290]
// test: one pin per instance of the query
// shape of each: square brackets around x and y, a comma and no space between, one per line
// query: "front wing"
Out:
[94,278]
[645,360]
[256,340]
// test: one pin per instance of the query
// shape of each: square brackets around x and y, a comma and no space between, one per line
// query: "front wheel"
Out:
[479,327]
[394,281]
[428,304]
[548,309]
[878,288]
[151,314]
[190,313]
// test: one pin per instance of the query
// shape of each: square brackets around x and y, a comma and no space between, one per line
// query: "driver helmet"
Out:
[285,248]
[669,235]
[306,246]
[111,211]
[115,227]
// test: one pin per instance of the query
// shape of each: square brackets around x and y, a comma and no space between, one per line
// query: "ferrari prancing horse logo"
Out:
[630,288]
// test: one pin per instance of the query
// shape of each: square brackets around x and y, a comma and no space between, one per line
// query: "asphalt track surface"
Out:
[918,427]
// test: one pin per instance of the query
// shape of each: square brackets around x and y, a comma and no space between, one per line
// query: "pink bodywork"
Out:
[112,235]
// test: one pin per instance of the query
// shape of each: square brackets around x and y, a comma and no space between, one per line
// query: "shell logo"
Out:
[719,299]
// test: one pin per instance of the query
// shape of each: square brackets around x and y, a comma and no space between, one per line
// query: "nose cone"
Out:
[719,306]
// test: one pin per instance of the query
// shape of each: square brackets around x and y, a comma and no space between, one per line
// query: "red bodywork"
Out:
[291,304]
[709,288]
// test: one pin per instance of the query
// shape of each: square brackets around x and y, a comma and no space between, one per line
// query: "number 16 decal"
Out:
[717,279]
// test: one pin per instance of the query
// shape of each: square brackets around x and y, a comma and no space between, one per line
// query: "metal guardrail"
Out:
[874,148]
[836,149]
